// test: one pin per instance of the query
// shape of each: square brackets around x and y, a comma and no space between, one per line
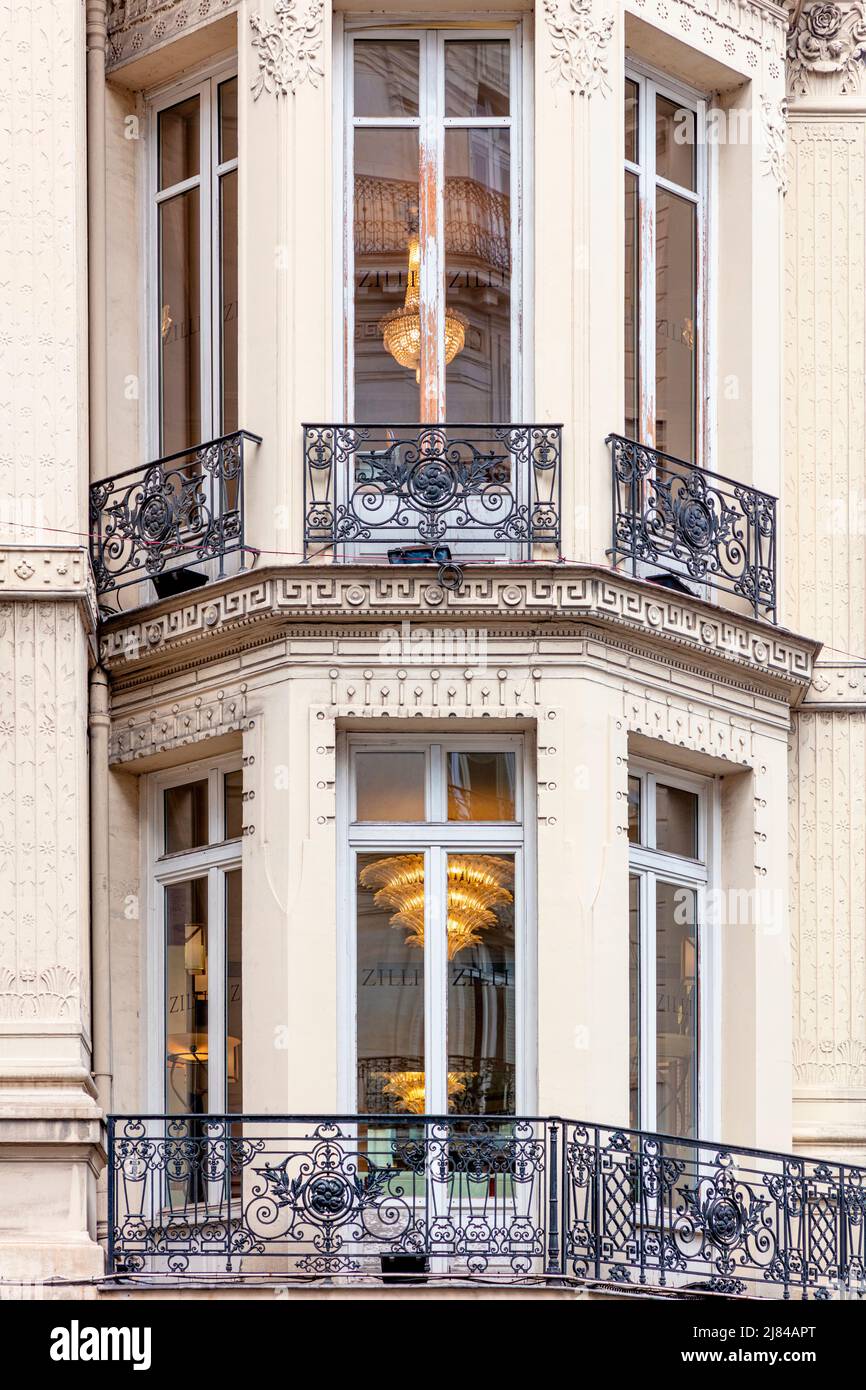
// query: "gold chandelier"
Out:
[401,328]
[409,1088]
[476,884]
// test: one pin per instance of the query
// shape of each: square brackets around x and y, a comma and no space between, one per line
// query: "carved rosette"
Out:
[581,44]
[289,48]
[826,47]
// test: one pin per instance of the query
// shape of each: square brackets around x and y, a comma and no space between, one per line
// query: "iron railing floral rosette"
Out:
[515,1200]
[485,490]
[707,530]
[167,515]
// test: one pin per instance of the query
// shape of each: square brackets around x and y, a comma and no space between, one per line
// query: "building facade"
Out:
[434,622]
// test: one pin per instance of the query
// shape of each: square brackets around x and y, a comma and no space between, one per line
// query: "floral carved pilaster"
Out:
[289,48]
[774,130]
[826,48]
[581,44]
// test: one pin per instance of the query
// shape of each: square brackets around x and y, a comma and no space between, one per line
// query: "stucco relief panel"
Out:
[43,803]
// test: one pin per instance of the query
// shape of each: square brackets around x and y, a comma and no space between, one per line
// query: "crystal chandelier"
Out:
[476,885]
[401,328]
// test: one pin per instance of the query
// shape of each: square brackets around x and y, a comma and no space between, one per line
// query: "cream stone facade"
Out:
[617,681]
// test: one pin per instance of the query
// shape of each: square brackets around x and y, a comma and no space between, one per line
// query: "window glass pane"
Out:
[631,121]
[386,77]
[676,310]
[632,318]
[234,1001]
[675,143]
[229,301]
[387,277]
[634,986]
[634,810]
[481,984]
[477,211]
[186,816]
[233,790]
[676,1010]
[186,997]
[390,925]
[228,104]
[179,323]
[477,77]
[676,821]
[481,786]
[389,786]
[178,142]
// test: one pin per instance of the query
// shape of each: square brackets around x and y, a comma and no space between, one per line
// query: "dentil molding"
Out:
[135,27]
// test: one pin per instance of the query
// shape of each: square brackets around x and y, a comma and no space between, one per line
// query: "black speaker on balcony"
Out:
[178,582]
[419,555]
[672,582]
[404,1269]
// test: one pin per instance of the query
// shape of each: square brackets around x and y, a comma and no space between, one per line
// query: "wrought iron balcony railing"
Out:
[490,490]
[150,522]
[416,1197]
[693,524]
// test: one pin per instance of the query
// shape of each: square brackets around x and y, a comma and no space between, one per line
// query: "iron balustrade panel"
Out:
[516,1199]
[484,489]
[165,515]
[652,1210]
[693,524]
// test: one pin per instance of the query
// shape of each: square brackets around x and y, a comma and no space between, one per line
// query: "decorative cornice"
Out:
[288,49]
[184,721]
[748,33]
[136,27]
[775,659]
[580,43]
[58,573]
[840,686]
[826,48]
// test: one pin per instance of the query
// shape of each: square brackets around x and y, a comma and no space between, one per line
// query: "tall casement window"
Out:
[432,158]
[193,281]
[670,973]
[665,213]
[436,932]
[195,826]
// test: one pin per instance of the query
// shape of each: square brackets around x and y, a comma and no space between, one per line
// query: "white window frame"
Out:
[650,865]
[213,862]
[652,83]
[205,84]
[432,36]
[437,838]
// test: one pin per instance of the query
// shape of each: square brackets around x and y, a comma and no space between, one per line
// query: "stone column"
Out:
[825,573]
[50,1145]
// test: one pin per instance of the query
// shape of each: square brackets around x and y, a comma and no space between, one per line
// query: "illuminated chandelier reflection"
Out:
[409,1088]
[476,885]
[401,328]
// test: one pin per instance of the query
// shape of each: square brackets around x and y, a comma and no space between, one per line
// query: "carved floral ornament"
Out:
[827,40]
[581,43]
[289,48]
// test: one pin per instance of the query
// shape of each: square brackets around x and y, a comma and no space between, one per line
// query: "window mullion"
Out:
[216,992]
[209,250]
[648,1003]
[436,980]
[647,291]
[430,215]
